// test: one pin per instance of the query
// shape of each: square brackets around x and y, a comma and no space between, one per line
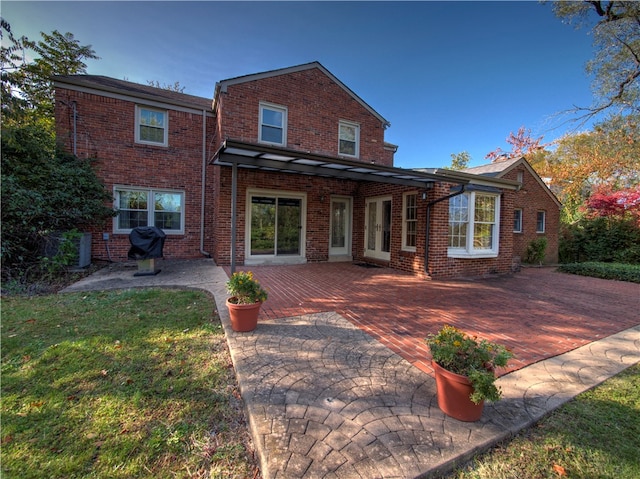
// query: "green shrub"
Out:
[536,251]
[617,271]
[610,239]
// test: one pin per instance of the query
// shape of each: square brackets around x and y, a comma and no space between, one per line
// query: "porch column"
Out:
[234,191]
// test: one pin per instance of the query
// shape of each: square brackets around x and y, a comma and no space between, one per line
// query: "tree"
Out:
[607,157]
[522,145]
[605,202]
[616,65]
[176,87]
[459,161]
[28,84]
[43,190]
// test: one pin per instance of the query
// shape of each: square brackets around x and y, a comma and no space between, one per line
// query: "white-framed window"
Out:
[148,207]
[517,220]
[409,221]
[349,139]
[273,124]
[541,222]
[151,126]
[474,219]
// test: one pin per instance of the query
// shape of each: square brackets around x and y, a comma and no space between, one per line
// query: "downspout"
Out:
[428,227]
[202,182]
[75,127]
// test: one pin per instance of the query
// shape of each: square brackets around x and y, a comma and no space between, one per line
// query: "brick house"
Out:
[280,167]
[536,210]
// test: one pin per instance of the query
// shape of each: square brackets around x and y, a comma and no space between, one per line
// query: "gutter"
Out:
[428,226]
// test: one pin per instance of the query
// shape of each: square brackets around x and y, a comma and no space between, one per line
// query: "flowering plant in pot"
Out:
[471,359]
[244,289]
[246,298]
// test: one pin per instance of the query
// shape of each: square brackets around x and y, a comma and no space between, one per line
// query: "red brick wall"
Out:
[105,133]
[532,198]
[314,105]
[318,190]
[317,233]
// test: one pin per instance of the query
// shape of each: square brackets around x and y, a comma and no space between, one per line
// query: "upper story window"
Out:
[145,207]
[517,220]
[409,221]
[273,124]
[540,222]
[349,139]
[473,225]
[151,126]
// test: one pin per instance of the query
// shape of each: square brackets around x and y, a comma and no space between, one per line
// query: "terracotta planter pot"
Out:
[244,317]
[453,395]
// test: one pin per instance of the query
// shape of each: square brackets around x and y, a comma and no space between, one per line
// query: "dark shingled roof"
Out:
[493,169]
[112,85]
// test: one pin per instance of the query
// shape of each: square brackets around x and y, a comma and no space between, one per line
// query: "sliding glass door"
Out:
[275,226]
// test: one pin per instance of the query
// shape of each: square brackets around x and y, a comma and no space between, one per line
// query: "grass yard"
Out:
[119,384]
[596,435]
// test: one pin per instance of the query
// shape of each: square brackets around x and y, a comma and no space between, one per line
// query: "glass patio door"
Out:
[378,228]
[276,226]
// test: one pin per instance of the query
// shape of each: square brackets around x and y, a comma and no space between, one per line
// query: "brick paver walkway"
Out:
[538,313]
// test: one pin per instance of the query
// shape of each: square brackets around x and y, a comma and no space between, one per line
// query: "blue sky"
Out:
[449,76]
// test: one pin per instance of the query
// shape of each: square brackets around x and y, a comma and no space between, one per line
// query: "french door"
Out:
[377,241]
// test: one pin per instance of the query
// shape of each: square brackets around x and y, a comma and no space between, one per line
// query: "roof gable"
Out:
[500,168]
[222,85]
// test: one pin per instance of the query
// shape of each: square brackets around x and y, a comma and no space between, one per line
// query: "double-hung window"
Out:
[151,126]
[517,220]
[273,124]
[409,221]
[540,222]
[349,139]
[146,207]
[473,225]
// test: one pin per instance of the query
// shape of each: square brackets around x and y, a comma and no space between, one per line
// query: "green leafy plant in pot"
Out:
[247,296]
[471,363]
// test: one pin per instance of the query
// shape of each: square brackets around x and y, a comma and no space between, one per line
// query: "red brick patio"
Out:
[538,313]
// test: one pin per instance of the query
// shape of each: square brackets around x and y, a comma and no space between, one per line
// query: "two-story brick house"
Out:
[536,210]
[286,166]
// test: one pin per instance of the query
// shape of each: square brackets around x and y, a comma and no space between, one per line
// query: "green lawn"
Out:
[596,435]
[122,384]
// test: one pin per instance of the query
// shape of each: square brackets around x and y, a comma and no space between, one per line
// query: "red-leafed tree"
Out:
[608,203]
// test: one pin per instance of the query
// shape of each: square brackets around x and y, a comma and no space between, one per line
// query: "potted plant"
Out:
[244,303]
[464,368]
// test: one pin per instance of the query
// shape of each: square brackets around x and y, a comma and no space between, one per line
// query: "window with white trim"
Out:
[540,222]
[151,126]
[517,220]
[409,221]
[273,124]
[348,139]
[146,207]
[473,225]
